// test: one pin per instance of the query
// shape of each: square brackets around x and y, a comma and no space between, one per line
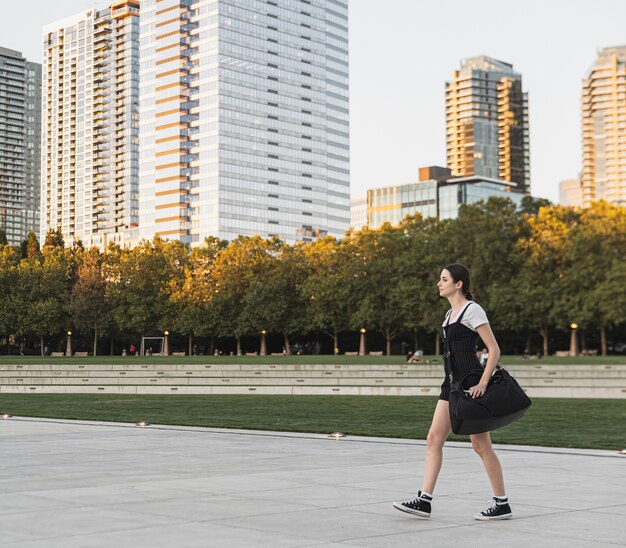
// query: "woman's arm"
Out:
[489,339]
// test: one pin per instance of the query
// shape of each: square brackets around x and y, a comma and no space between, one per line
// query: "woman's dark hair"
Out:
[460,273]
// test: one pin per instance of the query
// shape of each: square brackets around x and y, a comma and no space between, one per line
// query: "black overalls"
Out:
[459,352]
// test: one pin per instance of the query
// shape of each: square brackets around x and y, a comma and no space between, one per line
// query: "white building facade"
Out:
[90,126]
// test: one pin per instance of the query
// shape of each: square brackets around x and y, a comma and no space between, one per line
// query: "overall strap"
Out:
[458,320]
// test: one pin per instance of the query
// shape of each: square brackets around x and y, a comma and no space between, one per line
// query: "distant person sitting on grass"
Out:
[417,357]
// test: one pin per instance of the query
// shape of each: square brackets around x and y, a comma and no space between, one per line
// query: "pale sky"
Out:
[403,51]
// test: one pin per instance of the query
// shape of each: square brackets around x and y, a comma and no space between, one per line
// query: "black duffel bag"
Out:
[503,402]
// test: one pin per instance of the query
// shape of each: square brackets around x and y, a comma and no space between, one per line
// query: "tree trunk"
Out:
[287,345]
[416,343]
[388,338]
[544,336]
[112,347]
[95,341]
[437,344]
[603,340]
[40,344]
[190,344]
[335,342]
[238,345]
[527,350]
[212,346]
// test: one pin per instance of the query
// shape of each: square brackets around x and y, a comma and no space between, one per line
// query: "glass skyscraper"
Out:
[244,119]
[20,150]
[487,122]
[90,130]
[604,127]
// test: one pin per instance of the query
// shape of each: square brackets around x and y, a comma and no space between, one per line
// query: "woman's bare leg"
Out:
[482,445]
[437,435]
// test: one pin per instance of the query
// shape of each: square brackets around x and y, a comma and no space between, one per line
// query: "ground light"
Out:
[5,416]
[622,452]
[142,424]
[336,435]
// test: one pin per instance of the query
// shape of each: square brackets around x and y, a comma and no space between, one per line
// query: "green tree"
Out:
[325,288]
[245,261]
[8,289]
[138,287]
[273,300]
[193,301]
[89,307]
[376,275]
[43,292]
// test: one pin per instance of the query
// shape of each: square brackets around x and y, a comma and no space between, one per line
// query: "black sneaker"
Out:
[496,510]
[419,506]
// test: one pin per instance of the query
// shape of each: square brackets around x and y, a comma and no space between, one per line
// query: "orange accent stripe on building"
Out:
[177,31]
[168,60]
[166,139]
[169,219]
[133,3]
[167,86]
[167,126]
[169,46]
[168,22]
[164,10]
[168,206]
[168,192]
[172,232]
[167,180]
[167,112]
[168,152]
[168,73]
[167,166]
[167,99]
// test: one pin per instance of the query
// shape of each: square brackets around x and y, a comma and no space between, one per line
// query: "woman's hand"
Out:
[478,390]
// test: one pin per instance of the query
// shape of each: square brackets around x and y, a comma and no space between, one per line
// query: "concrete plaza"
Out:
[83,484]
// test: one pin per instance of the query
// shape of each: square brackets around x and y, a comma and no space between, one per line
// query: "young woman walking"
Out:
[463,324]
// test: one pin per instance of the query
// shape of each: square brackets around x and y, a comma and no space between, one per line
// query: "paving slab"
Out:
[93,484]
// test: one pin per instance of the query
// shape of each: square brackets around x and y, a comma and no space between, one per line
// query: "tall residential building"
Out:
[487,122]
[244,119]
[436,194]
[570,193]
[604,126]
[90,129]
[20,137]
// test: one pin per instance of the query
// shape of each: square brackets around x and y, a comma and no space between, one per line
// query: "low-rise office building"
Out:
[435,194]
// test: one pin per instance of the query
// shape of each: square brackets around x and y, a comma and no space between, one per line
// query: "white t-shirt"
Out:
[474,316]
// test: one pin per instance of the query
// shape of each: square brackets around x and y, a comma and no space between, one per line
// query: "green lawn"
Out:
[323,359]
[581,423]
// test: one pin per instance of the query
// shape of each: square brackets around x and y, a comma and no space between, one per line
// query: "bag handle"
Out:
[479,372]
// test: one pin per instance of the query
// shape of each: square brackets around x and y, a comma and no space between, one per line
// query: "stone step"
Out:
[539,392]
[291,380]
[436,367]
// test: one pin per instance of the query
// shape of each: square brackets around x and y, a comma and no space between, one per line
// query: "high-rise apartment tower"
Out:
[604,128]
[244,119]
[90,125]
[20,135]
[487,122]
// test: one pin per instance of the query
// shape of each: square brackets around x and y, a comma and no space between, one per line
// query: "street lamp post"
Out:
[166,343]
[263,351]
[362,342]
[68,346]
[573,343]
